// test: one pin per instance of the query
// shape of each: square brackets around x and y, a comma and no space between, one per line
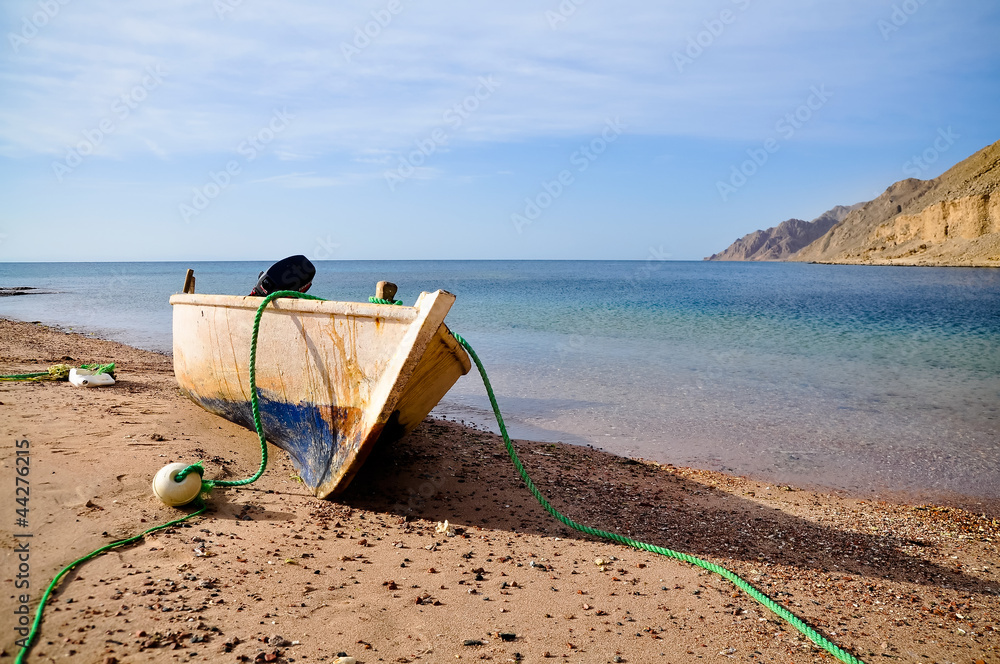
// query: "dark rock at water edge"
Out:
[9,291]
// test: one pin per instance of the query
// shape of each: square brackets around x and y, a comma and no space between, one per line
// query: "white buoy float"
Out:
[87,378]
[172,492]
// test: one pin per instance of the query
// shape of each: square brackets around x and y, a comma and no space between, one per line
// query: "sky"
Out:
[397,129]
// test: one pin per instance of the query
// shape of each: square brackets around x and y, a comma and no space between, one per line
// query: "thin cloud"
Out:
[311,180]
[226,74]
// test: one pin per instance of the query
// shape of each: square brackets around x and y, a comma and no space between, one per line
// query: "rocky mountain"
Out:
[780,242]
[953,219]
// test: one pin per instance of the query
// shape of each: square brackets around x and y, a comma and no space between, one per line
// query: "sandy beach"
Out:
[270,573]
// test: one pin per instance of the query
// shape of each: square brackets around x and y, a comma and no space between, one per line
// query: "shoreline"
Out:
[370,575]
[861,263]
[476,417]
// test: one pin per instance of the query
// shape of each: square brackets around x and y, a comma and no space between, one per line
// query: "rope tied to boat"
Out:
[208,485]
[29,640]
[737,580]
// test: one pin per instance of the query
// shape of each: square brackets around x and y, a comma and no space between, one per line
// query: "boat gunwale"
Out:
[294,305]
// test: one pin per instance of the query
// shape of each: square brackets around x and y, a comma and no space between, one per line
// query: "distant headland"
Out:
[952,220]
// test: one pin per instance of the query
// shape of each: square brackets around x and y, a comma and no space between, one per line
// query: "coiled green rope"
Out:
[739,582]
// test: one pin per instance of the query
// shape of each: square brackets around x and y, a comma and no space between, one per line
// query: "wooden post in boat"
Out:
[189,281]
[385,290]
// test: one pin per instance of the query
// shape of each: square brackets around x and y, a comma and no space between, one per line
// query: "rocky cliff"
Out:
[780,242]
[953,219]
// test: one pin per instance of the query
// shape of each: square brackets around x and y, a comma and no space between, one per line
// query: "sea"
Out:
[874,381]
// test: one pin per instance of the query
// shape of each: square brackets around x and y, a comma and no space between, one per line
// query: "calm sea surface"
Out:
[876,380]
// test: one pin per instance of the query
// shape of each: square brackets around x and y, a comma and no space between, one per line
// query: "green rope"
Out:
[55,372]
[29,640]
[27,376]
[740,583]
[100,368]
[208,485]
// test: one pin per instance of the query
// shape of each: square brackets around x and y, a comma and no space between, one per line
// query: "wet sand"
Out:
[272,574]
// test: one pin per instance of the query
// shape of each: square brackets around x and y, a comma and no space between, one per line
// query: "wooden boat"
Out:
[333,378]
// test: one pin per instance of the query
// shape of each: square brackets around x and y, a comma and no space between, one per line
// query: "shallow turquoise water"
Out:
[870,379]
